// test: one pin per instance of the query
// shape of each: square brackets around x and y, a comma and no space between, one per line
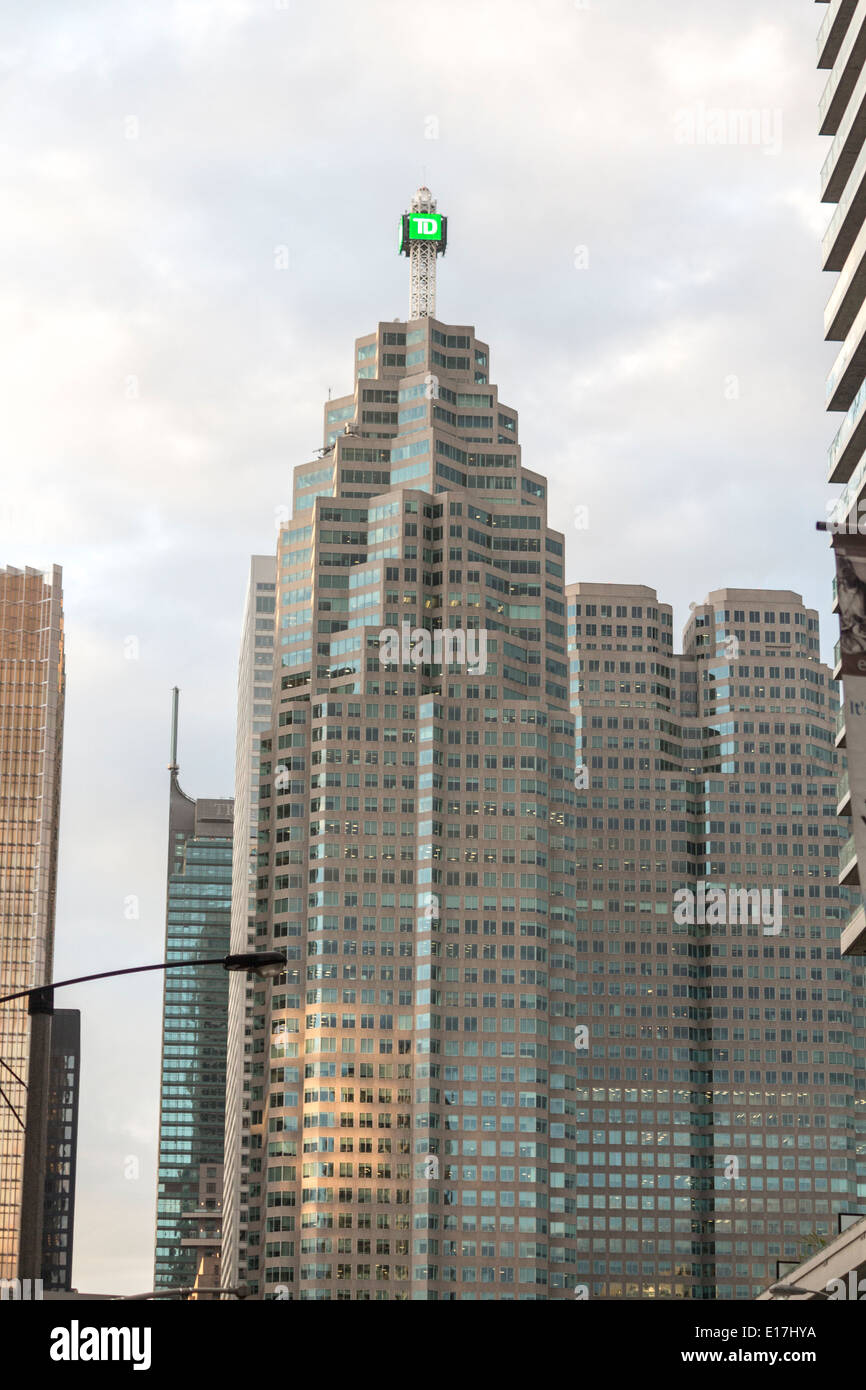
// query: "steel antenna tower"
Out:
[423,236]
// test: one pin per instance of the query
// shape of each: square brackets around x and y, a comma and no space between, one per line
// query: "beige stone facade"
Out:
[719,1100]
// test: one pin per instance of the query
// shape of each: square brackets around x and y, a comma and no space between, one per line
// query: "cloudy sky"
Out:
[653,304]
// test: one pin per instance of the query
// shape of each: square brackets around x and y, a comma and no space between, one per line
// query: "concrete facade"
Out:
[723,1076]
[412,1106]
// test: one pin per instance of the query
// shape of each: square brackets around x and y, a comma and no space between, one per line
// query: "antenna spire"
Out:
[175,696]
[423,237]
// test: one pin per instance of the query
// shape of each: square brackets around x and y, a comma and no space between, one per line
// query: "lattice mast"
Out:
[423,236]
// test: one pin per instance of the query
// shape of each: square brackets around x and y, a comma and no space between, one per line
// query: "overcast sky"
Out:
[653,303]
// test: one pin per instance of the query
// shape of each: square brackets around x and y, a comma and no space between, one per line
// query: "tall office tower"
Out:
[411,1131]
[255,679]
[721,1091]
[842,50]
[194,1020]
[32,682]
[63,1089]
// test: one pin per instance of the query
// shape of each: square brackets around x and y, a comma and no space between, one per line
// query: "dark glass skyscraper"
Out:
[62,1142]
[195,1019]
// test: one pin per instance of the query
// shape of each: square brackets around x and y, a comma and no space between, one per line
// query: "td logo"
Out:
[424,228]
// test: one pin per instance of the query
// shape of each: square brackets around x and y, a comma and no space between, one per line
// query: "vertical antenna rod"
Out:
[423,237]
[175,694]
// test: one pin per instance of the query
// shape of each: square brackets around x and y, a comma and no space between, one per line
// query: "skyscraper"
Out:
[720,1096]
[63,1090]
[255,681]
[411,1122]
[32,684]
[194,1025]
[842,51]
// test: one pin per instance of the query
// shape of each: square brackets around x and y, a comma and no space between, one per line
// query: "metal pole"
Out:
[253,961]
[184,1290]
[127,970]
[40,1007]
[40,1004]
[175,696]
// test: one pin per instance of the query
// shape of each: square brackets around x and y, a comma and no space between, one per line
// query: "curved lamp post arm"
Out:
[262,962]
[40,1006]
[183,1291]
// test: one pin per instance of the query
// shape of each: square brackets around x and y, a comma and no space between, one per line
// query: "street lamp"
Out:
[40,1006]
[185,1290]
[265,964]
[796,1291]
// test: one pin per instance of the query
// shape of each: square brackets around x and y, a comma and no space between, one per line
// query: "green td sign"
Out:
[422,226]
[425,226]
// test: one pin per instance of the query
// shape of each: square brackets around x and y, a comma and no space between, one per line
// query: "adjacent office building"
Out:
[194,1028]
[255,680]
[62,1143]
[203,1234]
[720,1094]
[32,684]
[842,52]
[412,1101]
